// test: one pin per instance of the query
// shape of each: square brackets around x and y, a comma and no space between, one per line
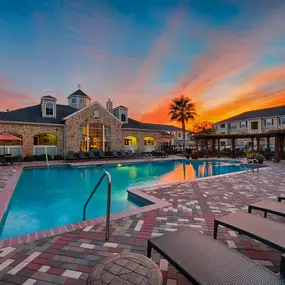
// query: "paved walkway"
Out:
[69,257]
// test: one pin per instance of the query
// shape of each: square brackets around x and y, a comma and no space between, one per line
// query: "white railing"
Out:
[14,150]
[149,148]
[131,147]
[45,149]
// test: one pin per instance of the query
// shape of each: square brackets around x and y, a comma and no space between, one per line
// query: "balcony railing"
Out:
[43,149]
[14,150]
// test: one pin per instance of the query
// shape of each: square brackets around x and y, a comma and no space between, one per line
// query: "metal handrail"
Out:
[106,174]
[46,157]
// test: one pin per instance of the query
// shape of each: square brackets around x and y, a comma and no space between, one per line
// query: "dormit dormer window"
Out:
[123,117]
[49,108]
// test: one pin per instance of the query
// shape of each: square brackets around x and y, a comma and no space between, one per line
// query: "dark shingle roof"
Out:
[121,106]
[33,114]
[134,124]
[48,97]
[268,112]
[79,92]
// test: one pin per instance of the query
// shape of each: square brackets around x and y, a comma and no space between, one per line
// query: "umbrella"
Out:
[8,137]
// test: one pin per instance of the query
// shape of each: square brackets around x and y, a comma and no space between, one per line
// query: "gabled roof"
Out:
[134,124]
[268,112]
[79,92]
[33,114]
[48,97]
[121,106]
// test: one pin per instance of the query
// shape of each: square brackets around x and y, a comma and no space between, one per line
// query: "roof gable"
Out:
[78,92]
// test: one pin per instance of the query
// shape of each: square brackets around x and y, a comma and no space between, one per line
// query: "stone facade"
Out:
[28,131]
[140,135]
[86,116]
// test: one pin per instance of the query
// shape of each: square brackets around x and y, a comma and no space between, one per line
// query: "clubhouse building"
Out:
[80,125]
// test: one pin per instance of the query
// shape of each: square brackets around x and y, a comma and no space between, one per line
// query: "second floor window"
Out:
[243,124]
[123,117]
[282,121]
[82,101]
[233,126]
[268,122]
[49,109]
[222,126]
[254,126]
[73,100]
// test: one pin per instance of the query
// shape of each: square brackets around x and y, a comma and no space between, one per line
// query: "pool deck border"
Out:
[7,192]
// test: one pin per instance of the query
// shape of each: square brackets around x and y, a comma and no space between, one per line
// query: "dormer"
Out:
[121,112]
[78,99]
[48,106]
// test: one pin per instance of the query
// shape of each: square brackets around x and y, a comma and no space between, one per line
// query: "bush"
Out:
[16,158]
[195,154]
[42,157]
[259,157]
[58,157]
[29,158]
[187,156]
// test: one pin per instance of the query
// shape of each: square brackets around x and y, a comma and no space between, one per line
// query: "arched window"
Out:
[123,117]
[49,109]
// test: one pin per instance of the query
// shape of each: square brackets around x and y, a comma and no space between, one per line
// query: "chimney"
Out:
[7,110]
[109,106]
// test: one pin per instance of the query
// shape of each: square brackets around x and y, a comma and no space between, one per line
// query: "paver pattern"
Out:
[68,258]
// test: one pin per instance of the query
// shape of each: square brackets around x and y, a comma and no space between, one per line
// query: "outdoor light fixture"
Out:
[119,164]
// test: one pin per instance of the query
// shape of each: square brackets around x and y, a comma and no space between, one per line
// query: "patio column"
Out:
[213,146]
[268,143]
[257,143]
[281,147]
[197,143]
[277,149]
[233,147]
[219,148]
[87,135]
[207,147]
[103,138]
[252,143]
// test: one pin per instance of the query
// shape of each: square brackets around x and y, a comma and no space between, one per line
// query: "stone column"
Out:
[268,143]
[233,147]
[282,147]
[252,143]
[207,147]
[213,146]
[277,149]
[28,145]
[257,143]
[197,144]
[219,148]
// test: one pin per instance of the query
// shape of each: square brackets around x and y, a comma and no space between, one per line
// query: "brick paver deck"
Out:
[69,257]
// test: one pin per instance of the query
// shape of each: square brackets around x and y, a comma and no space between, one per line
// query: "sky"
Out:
[228,56]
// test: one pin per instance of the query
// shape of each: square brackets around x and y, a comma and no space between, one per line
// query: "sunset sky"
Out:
[227,55]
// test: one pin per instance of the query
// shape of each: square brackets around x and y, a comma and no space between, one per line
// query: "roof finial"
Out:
[78,86]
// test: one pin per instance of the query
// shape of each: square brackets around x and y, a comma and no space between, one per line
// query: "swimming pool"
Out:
[48,198]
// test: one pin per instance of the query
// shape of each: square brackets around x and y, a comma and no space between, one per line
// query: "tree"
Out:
[181,110]
[204,127]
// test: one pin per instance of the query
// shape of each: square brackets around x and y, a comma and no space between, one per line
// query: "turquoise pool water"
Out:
[48,198]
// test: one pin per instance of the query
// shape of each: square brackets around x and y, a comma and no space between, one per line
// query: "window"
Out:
[222,126]
[49,109]
[73,100]
[81,101]
[179,135]
[243,124]
[233,126]
[128,142]
[268,122]
[282,121]
[254,126]
[123,117]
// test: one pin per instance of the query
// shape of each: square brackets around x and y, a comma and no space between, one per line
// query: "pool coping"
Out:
[139,192]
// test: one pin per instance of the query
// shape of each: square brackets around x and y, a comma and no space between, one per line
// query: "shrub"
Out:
[187,156]
[42,157]
[58,157]
[195,154]
[29,158]
[259,157]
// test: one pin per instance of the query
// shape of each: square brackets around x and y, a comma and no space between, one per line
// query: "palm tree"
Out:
[182,109]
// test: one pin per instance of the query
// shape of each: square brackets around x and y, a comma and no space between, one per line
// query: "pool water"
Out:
[47,198]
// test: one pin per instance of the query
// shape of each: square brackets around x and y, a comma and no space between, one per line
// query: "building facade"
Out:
[80,125]
[252,122]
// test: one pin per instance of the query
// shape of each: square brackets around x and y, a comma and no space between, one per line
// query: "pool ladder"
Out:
[106,174]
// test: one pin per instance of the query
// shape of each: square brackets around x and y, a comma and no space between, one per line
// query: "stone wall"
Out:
[28,131]
[140,135]
[85,117]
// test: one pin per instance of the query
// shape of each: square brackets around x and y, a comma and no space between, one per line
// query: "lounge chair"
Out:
[101,154]
[280,198]
[267,231]
[126,154]
[138,153]
[268,206]
[82,155]
[122,154]
[203,260]
[71,156]
[92,155]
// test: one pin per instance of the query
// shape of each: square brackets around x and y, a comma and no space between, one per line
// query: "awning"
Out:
[8,137]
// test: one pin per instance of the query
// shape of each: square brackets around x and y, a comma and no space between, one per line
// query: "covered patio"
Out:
[214,141]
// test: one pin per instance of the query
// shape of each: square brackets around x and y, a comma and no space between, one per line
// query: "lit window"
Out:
[123,117]
[282,121]
[81,101]
[268,122]
[233,125]
[73,100]
[243,124]
[49,109]
[222,126]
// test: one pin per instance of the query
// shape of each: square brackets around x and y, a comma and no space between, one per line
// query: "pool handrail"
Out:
[106,174]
